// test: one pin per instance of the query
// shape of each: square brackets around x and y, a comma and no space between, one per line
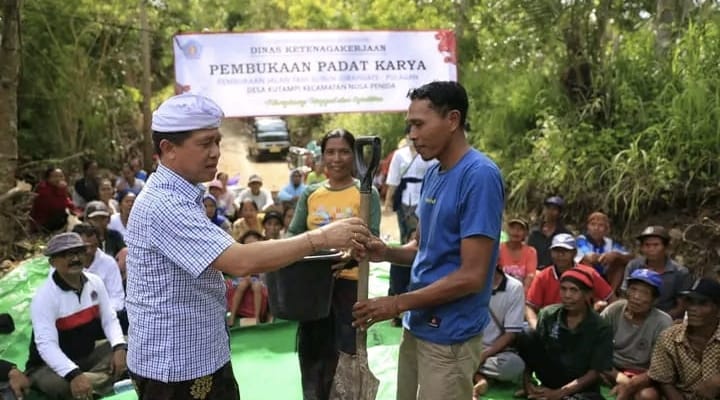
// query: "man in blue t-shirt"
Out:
[460,216]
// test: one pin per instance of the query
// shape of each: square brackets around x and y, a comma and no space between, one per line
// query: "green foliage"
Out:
[569,97]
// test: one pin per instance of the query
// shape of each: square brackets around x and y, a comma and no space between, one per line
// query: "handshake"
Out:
[351,234]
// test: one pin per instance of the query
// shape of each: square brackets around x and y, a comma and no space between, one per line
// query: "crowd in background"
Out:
[575,310]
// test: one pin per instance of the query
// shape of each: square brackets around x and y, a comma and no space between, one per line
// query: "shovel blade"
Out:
[353,379]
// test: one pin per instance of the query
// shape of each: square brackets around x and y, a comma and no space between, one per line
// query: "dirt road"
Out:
[275,173]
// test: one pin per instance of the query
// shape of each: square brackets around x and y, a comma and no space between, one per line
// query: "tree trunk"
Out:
[9,78]
[670,16]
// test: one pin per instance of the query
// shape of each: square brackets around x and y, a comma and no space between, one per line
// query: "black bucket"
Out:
[302,291]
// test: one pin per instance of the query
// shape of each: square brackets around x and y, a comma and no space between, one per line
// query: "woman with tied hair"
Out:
[338,197]
[211,210]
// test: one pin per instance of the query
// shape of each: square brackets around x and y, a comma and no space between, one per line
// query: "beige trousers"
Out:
[429,371]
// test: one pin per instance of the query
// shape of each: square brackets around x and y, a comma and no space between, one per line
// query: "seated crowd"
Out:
[569,314]
[75,343]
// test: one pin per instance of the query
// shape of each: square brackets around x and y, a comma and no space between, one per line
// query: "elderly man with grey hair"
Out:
[66,311]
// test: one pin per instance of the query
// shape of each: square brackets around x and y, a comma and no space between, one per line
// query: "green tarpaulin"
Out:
[263,357]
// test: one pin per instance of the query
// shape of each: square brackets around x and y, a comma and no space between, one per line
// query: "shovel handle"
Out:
[366,170]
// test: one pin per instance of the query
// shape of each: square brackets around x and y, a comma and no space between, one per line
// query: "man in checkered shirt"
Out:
[178,344]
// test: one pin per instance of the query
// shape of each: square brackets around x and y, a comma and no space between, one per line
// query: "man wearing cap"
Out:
[255,192]
[686,359]
[636,325]
[545,288]
[551,225]
[571,346]
[596,249]
[97,214]
[111,242]
[66,312]
[654,241]
[179,344]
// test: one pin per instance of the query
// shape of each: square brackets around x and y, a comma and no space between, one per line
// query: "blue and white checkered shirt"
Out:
[175,300]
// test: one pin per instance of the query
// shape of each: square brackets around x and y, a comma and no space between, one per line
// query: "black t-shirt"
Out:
[113,242]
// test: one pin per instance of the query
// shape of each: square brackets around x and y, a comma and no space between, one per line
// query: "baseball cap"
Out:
[254,178]
[520,222]
[563,241]
[96,208]
[63,242]
[646,276]
[704,289]
[654,231]
[555,201]
[579,275]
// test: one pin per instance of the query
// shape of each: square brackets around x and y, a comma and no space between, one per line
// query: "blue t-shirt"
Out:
[464,201]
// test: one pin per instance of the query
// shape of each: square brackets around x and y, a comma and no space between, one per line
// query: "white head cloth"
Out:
[186,112]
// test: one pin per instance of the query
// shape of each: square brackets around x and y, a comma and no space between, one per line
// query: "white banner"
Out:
[312,72]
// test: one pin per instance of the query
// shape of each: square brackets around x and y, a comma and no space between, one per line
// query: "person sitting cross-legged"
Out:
[66,311]
[498,361]
[686,359]
[545,288]
[636,325]
[571,346]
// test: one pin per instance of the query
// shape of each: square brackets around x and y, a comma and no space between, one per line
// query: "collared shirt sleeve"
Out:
[108,316]
[43,314]
[185,235]
[270,200]
[662,367]
[535,293]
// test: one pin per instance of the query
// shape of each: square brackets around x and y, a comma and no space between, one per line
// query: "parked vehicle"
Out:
[270,137]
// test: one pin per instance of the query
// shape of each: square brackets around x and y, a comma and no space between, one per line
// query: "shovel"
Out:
[353,379]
